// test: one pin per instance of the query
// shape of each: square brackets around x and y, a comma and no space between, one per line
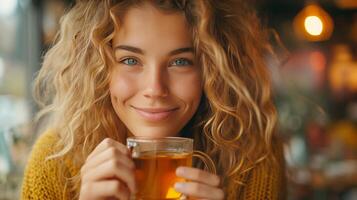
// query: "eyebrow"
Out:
[140,51]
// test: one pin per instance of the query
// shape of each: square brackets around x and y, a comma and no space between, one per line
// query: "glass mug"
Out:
[156,161]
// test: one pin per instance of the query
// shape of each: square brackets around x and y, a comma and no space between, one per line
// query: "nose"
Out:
[155,83]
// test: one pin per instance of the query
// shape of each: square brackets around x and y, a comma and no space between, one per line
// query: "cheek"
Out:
[121,87]
[189,88]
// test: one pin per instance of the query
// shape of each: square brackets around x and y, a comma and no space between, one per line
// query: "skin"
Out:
[155,78]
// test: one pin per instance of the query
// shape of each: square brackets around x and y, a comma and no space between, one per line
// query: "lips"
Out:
[155,114]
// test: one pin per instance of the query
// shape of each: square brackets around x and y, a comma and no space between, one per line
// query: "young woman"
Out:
[156,68]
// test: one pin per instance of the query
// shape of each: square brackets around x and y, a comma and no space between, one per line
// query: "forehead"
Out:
[145,23]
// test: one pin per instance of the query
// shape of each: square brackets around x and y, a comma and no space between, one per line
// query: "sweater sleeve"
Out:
[41,178]
[267,180]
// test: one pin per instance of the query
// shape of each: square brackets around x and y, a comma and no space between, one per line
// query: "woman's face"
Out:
[155,86]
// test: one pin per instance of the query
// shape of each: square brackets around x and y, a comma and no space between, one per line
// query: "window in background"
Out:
[19,59]
[28,27]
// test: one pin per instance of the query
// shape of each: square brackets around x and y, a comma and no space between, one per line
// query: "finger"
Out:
[198,175]
[106,143]
[199,190]
[109,153]
[104,189]
[111,169]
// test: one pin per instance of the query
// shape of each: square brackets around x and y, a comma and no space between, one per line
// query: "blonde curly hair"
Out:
[235,121]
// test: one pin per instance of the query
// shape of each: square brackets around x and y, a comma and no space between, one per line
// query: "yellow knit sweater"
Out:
[42,179]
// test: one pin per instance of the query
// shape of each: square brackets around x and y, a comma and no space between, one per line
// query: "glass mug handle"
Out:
[207,161]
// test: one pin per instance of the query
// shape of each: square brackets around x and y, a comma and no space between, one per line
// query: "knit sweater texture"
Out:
[43,180]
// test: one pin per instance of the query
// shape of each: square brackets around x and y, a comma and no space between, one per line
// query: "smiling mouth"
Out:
[155,114]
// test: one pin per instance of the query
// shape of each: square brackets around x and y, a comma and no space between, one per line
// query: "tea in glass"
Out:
[155,174]
[156,161]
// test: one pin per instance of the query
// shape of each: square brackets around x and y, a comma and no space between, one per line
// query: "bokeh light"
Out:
[313,25]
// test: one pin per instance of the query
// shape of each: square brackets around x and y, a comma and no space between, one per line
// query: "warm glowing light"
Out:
[313,25]
[318,61]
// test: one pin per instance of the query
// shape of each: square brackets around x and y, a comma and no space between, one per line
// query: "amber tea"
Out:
[156,161]
[155,174]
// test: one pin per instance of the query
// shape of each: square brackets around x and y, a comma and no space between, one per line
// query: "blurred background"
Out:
[315,89]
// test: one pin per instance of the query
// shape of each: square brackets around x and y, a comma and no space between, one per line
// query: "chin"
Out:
[154,132]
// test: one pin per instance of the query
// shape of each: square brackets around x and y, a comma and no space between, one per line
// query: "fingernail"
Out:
[180,171]
[179,186]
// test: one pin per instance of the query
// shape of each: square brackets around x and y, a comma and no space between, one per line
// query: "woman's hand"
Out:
[200,185]
[108,172]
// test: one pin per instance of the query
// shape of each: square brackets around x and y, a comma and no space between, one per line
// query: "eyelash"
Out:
[126,59]
[187,61]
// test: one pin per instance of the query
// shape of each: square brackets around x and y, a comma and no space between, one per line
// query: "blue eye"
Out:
[129,61]
[181,62]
